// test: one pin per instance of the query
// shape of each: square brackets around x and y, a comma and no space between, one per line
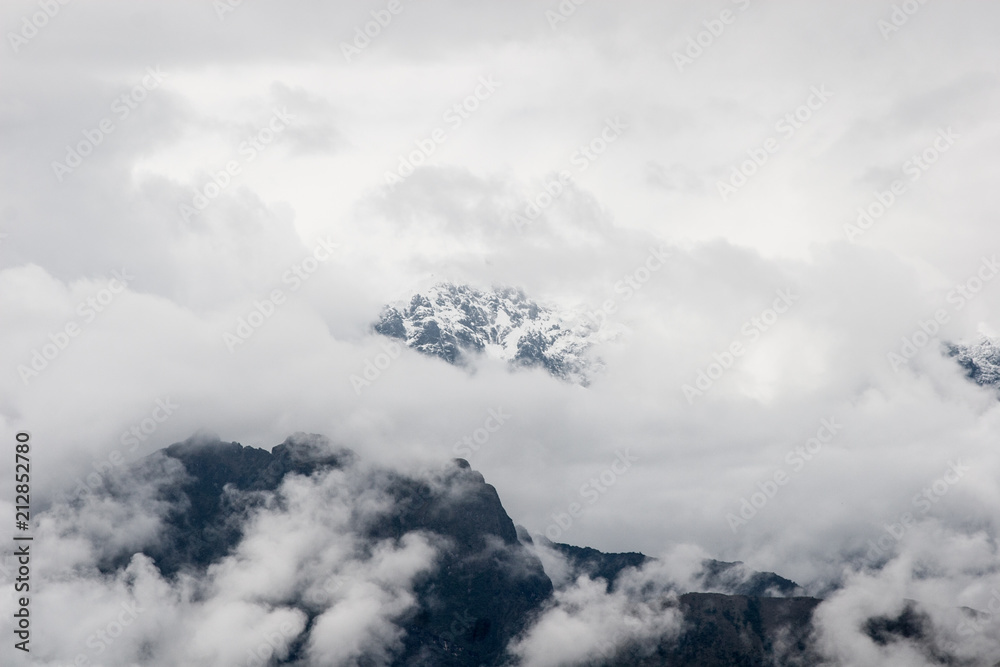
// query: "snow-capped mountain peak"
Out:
[458,322]
[981,360]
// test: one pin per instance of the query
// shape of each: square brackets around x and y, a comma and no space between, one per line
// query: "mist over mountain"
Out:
[327,561]
[458,323]
[704,296]
[981,360]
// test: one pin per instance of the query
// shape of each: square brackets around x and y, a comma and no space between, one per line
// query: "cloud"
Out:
[585,621]
[944,577]
[305,548]
[161,339]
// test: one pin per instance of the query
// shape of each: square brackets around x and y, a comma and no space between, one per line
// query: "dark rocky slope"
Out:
[487,587]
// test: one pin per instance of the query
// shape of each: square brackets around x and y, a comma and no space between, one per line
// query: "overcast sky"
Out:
[117,117]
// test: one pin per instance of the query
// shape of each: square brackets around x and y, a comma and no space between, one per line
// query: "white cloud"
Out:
[163,336]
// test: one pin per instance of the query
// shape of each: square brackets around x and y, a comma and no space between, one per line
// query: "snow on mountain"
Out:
[458,322]
[980,360]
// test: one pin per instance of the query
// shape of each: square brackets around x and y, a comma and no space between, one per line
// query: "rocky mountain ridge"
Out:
[484,591]
[457,323]
[981,360]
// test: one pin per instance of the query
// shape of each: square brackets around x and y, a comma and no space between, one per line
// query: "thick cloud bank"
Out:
[206,205]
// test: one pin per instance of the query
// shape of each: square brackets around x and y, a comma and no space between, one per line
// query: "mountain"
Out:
[486,587]
[473,580]
[980,360]
[715,576]
[458,323]
[386,568]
